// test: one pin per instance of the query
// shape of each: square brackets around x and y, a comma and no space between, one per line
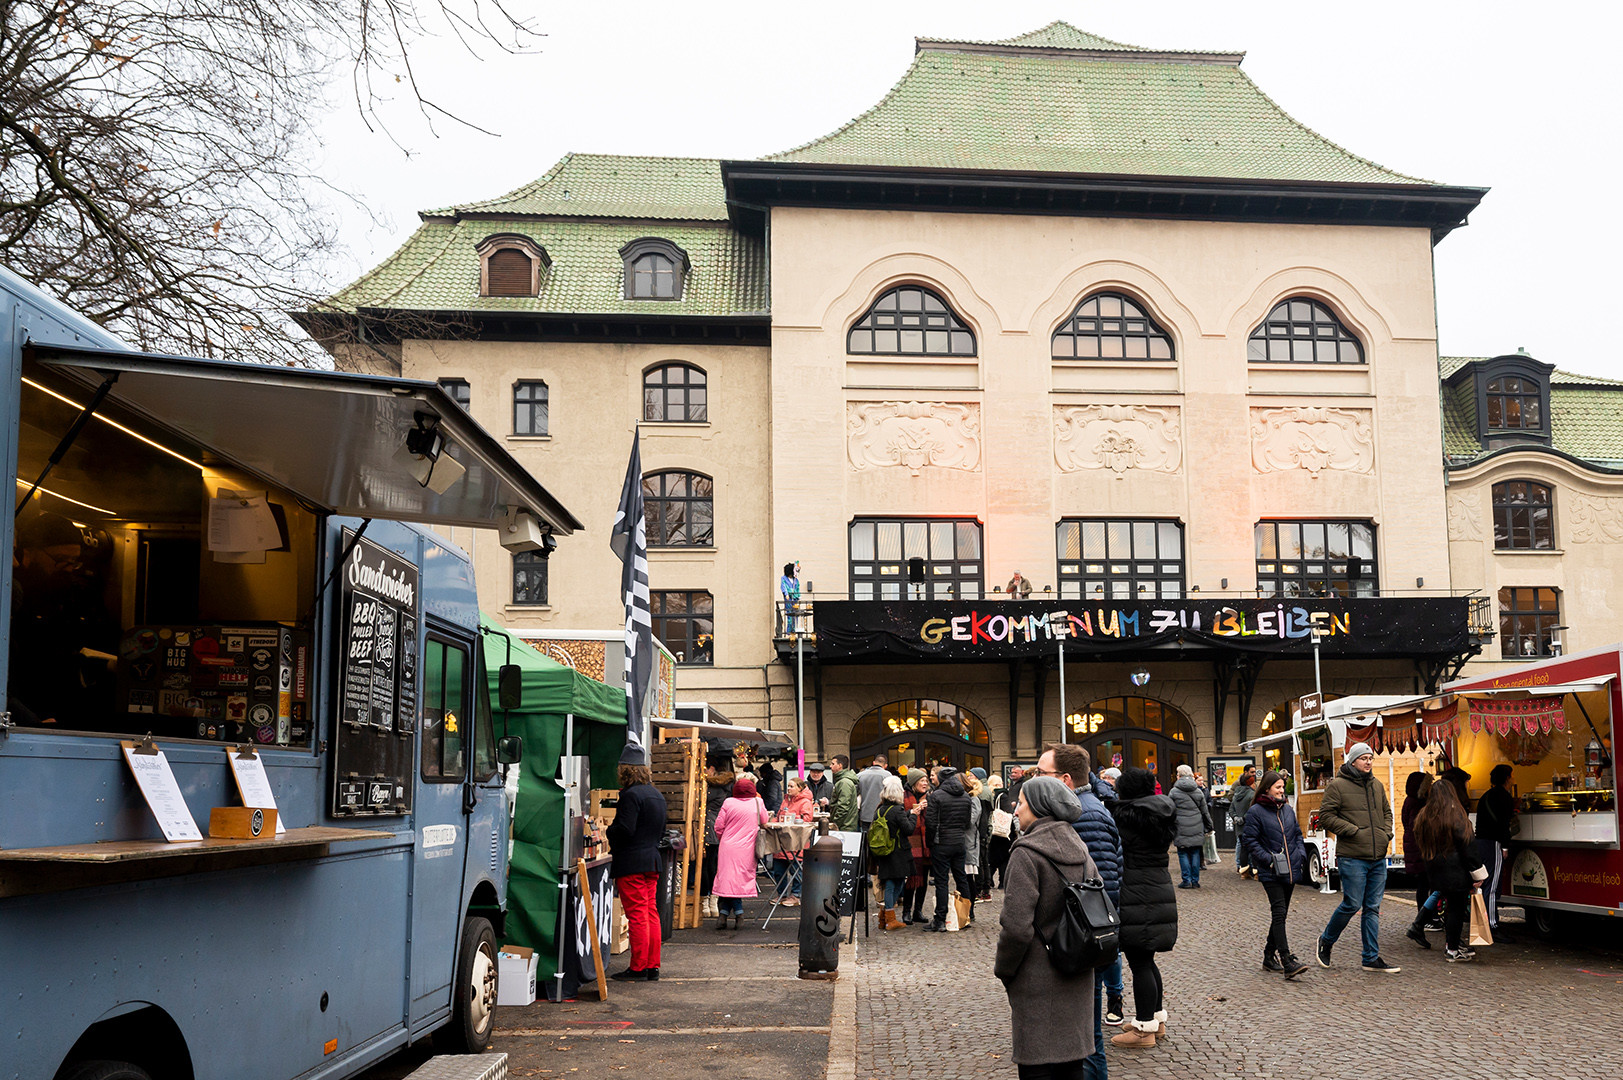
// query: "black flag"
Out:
[629,540]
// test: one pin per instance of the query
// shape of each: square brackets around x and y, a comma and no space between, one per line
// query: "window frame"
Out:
[666,388]
[540,262]
[546,408]
[1369,569]
[1158,575]
[955,577]
[459,391]
[1543,619]
[1533,391]
[449,644]
[688,642]
[657,537]
[643,246]
[1505,510]
[530,561]
[953,325]
[1151,331]
[1262,334]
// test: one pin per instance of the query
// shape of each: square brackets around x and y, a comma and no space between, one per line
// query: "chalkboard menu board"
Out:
[853,897]
[377,681]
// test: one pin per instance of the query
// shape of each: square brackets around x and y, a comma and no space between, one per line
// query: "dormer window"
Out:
[511,265]
[655,269]
[1512,399]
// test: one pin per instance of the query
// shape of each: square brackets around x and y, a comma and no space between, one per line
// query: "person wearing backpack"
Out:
[1271,830]
[890,850]
[1051,1017]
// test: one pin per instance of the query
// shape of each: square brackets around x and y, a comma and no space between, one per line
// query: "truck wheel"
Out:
[1315,868]
[106,1070]
[1546,922]
[473,1003]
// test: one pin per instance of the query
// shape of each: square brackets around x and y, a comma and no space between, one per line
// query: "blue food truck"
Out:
[216,603]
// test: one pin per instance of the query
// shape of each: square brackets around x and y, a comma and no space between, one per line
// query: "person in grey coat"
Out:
[1194,822]
[1051,1018]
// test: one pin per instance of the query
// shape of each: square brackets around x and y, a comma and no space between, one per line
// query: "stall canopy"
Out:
[553,692]
[723,735]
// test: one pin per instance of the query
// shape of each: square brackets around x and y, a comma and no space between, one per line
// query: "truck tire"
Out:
[106,1070]
[1315,868]
[473,992]
[1546,922]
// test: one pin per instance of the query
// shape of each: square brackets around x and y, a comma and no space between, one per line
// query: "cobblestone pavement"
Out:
[928,1006]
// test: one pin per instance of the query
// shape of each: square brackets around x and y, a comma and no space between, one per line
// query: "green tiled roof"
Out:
[610,186]
[1056,35]
[438,270]
[1586,415]
[1002,110]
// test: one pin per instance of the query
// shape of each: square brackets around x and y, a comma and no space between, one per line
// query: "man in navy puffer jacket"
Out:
[1097,828]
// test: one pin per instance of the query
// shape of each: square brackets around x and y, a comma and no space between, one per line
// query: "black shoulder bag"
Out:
[1088,936]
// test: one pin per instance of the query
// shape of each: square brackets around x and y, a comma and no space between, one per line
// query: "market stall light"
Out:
[58,495]
[115,424]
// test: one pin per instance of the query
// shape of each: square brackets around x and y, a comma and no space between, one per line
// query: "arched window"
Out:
[655,269]
[1111,326]
[1135,731]
[675,394]
[1303,331]
[1521,516]
[679,508]
[920,732]
[910,320]
[511,265]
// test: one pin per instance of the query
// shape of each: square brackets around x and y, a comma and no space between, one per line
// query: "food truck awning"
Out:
[334,439]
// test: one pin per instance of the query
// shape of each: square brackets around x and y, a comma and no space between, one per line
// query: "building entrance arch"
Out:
[1135,732]
[921,732]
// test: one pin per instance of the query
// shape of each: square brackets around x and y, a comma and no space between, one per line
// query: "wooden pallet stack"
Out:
[677,763]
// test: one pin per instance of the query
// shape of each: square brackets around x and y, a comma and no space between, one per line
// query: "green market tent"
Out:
[552,692]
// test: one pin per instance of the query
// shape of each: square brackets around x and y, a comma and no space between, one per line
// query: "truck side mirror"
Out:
[509,749]
[510,687]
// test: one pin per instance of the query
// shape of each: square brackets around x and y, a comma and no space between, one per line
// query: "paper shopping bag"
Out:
[952,915]
[1480,933]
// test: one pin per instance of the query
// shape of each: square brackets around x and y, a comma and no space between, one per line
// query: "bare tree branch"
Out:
[156,156]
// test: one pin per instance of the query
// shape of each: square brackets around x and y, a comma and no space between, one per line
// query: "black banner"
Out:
[970,630]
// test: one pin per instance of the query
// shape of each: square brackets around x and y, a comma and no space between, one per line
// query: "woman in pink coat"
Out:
[740,819]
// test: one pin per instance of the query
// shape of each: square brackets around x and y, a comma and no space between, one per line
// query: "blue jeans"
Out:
[1363,884]
[1189,865]
[1094,1066]
[730,905]
[1111,977]
[893,890]
[780,869]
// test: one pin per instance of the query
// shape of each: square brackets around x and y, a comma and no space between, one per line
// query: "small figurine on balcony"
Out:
[1018,587]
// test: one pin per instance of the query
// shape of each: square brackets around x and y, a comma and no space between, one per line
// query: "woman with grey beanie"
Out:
[1052,1014]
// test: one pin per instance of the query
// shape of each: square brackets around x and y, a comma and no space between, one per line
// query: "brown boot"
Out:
[1134,1037]
[889,921]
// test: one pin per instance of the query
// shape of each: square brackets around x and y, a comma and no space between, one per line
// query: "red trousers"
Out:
[637,898]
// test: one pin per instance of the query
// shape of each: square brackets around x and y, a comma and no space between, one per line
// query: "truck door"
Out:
[442,833]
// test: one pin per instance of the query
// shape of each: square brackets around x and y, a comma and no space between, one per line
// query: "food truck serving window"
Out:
[158,589]
[445,712]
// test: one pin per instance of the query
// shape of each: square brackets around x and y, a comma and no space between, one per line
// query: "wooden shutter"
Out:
[510,272]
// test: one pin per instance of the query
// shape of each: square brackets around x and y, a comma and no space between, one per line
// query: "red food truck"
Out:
[1553,722]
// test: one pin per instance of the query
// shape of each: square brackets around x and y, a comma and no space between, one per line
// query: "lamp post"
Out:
[1062,713]
[1318,686]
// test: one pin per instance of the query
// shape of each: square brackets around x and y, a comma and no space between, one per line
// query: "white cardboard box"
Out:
[516,967]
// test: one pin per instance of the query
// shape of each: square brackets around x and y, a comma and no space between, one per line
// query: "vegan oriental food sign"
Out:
[1004,630]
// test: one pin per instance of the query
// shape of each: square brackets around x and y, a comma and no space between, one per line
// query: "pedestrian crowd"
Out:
[1060,824]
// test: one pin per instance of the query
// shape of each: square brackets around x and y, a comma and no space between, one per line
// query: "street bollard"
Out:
[820,911]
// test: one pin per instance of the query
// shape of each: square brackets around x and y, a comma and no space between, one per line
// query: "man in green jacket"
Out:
[846,806]
[1356,809]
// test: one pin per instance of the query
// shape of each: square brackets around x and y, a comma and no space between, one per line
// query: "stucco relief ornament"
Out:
[1465,516]
[1596,521]
[1118,438]
[913,435]
[1312,438]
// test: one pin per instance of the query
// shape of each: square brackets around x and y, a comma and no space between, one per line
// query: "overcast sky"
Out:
[1519,98]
